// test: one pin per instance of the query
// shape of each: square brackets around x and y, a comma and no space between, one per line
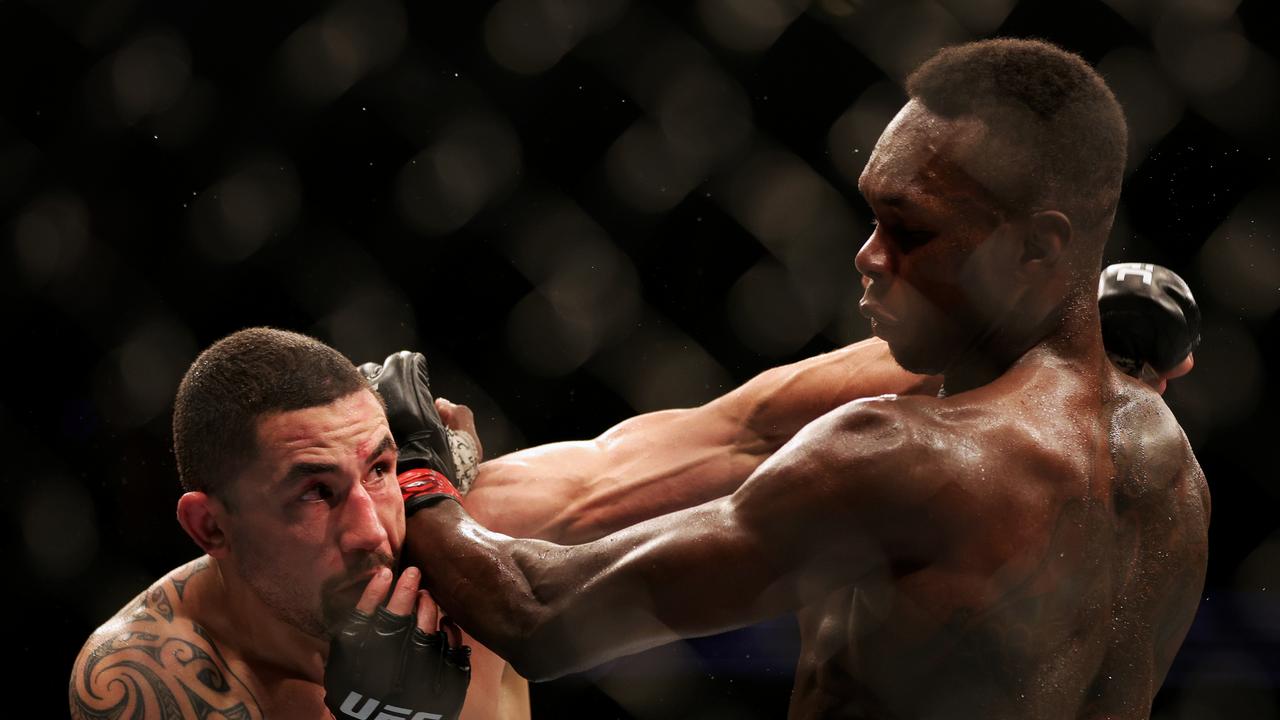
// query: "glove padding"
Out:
[1149,317]
[382,666]
[424,464]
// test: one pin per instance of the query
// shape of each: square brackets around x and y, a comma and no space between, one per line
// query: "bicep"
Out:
[137,670]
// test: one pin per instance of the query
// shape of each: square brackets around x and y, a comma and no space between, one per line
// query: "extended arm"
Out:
[655,463]
[815,516]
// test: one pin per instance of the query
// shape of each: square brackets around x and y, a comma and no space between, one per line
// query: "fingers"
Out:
[371,371]
[428,612]
[375,591]
[452,631]
[431,618]
[445,408]
[456,417]
[1183,367]
[406,592]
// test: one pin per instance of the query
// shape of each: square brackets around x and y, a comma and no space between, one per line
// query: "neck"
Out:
[260,635]
[1068,330]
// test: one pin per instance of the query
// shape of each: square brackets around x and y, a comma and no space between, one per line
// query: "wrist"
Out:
[422,487]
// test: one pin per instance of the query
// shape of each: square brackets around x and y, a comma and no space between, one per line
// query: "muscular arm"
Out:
[815,516]
[148,663]
[655,463]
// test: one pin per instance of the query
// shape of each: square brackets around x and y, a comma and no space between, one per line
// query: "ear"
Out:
[1050,231]
[204,518]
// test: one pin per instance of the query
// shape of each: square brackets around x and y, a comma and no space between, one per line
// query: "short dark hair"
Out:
[1061,119]
[234,382]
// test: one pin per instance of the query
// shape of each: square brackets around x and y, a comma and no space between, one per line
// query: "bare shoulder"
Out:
[1159,482]
[878,480]
[900,436]
[153,660]
[882,459]
[941,462]
[1152,455]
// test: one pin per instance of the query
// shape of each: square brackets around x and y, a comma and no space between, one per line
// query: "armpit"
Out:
[150,664]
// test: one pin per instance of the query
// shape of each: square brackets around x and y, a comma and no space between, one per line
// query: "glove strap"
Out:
[421,486]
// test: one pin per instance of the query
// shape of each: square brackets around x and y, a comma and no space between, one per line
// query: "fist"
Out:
[425,463]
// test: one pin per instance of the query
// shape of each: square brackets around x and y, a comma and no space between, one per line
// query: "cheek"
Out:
[391,515]
[934,283]
[294,537]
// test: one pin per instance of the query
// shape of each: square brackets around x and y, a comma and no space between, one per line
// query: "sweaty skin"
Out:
[1029,544]
[572,492]
[179,644]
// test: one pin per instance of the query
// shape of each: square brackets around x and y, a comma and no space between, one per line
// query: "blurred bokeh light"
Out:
[580,210]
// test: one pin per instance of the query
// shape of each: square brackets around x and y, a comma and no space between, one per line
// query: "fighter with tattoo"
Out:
[290,470]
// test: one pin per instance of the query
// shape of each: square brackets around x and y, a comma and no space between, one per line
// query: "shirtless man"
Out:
[573,492]
[1030,543]
[290,472]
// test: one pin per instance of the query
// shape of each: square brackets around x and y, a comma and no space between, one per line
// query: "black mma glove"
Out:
[1149,317]
[424,466]
[385,667]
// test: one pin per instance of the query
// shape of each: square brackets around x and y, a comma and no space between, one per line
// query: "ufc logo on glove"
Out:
[385,712]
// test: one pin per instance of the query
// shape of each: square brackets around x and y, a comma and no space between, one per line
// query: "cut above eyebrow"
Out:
[388,443]
[301,471]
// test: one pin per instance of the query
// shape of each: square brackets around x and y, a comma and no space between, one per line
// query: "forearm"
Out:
[550,610]
[574,492]
[518,597]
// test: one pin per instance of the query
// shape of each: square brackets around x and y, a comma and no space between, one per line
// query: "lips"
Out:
[875,311]
[358,583]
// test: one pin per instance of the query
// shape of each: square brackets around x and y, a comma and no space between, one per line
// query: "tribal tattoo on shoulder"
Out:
[150,663]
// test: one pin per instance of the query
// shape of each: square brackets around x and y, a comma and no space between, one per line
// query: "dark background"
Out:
[580,210]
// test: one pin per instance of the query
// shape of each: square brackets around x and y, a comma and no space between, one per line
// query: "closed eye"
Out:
[906,239]
[911,239]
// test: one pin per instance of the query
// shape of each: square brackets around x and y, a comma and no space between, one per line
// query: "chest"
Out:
[282,696]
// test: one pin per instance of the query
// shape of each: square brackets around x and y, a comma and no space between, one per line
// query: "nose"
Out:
[362,529]
[873,258]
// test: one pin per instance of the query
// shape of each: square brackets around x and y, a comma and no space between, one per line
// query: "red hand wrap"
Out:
[423,481]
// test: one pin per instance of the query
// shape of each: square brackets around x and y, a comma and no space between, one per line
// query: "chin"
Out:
[336,607]
[915,358]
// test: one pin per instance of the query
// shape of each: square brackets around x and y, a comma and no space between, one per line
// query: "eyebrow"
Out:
[896,201]
[388,443]
[303,470]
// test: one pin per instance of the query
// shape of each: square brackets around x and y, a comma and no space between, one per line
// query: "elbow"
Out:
[527,631]
[542,643]
[534,667]
[538,654]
